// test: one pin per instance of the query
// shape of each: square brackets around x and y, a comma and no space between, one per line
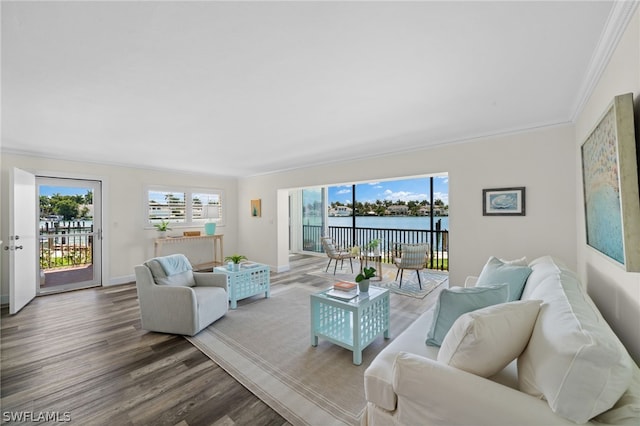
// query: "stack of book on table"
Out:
[343,290]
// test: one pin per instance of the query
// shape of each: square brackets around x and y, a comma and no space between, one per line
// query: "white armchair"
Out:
[174,299]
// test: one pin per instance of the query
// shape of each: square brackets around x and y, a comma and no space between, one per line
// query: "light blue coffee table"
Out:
[246,282]
[352,324]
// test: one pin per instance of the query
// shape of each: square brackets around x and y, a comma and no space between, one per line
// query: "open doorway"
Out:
[402,210]
[70,234]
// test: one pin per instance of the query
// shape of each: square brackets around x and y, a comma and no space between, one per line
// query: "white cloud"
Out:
[442,196]
[404,196]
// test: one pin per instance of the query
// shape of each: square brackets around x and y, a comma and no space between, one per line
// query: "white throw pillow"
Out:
[485,341]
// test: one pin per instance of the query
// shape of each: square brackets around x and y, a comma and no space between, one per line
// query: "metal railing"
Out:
[346,237]
[65,244]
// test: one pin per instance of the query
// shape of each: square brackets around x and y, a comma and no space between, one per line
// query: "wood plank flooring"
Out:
[82,356]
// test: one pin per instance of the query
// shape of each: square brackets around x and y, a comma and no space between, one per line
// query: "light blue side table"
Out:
[246,282]
[352,324]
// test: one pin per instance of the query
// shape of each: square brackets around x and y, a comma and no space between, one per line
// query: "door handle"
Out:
[18,247]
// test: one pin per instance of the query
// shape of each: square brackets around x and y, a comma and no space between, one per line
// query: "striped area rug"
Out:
[265,344]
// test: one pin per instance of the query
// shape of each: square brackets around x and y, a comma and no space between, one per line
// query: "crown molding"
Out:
[619,17]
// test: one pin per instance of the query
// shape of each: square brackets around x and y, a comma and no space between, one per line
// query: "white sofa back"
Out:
[573,359]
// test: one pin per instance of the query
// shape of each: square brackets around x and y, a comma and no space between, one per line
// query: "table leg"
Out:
[357,337]
[314,319]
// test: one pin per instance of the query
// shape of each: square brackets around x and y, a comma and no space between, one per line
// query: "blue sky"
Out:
[416,189]
[62,190]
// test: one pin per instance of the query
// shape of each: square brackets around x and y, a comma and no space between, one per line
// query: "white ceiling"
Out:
[247,88]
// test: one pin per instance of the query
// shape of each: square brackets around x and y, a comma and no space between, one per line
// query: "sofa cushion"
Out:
[378,378]
[517,262]
[455,301]
[485,341]
[627,410]
[541,268]
[496,271]
[573,359]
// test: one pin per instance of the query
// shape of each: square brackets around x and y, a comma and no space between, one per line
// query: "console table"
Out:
[217,248]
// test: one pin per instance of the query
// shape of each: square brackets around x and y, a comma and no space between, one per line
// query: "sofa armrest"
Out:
[430,392]
[209,279]
[470,281]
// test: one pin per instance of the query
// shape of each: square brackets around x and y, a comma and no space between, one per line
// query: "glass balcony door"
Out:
[70,231]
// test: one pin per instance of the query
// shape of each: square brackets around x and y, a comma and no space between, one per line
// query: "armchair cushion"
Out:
[412,256]
[171,270]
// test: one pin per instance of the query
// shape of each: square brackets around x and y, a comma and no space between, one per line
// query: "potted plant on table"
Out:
[363,279]
[162,228]
[374,246]
[235,260]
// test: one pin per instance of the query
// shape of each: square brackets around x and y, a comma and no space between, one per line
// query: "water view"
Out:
[391,222]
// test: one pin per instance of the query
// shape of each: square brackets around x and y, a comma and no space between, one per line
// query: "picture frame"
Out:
[256,208]
[503,201]
[610,185]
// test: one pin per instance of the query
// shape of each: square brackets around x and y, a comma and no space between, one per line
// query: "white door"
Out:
[22,240]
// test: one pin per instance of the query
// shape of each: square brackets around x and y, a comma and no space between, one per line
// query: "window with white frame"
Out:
[183,207]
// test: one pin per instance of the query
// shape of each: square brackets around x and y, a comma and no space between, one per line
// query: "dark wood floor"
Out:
[82,355]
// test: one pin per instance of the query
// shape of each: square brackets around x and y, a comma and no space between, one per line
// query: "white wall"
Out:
[615,292]
[127,242]
[540,160]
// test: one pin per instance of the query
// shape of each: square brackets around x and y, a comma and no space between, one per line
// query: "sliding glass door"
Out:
[313,218]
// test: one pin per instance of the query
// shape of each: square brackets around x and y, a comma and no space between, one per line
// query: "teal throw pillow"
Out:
[455,301]
[498,272]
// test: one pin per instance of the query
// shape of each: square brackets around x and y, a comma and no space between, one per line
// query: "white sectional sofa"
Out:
[571,370]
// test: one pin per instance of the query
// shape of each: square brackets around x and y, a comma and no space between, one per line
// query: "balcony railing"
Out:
[65,244]
[344,237]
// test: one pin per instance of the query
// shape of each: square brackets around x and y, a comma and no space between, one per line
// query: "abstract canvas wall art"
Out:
[610,183]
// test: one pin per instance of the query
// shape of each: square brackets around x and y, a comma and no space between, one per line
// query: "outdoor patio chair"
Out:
[411,256]
[334,253]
